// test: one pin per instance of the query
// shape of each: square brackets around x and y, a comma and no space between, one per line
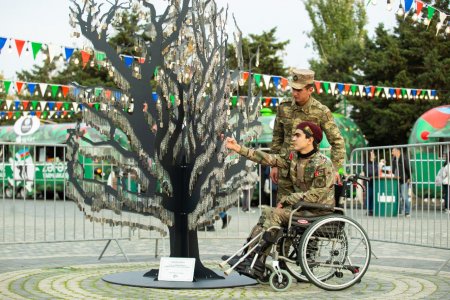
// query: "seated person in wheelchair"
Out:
[312,175]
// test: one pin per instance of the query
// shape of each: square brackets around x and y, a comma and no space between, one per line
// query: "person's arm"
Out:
[323,184]
[273,160]
[335,139]
[277,134]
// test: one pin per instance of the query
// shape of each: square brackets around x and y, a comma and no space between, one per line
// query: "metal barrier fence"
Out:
[33,205]
[402,203]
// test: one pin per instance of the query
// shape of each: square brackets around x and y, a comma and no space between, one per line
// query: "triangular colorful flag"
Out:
[65,90]
[25,104]
[36,47]
[7,84]
[19,46]
[257,79]
[284,83]
[128,60]
[31,87]
[43,88]
[266,80]
[19,85]
[276,81]
[54,90]
[2,42]
[317,84]
[85,57]
[43,105]
[68,52]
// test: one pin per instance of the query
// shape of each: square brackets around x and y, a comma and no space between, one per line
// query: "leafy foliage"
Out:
[411,57]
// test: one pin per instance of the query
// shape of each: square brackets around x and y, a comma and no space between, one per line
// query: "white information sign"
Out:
[176,269]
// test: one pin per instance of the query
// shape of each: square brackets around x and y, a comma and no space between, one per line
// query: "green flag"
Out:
[7,84]
[54,90]
[36,48]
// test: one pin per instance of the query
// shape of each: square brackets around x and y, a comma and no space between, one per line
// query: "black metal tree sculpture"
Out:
[175,111]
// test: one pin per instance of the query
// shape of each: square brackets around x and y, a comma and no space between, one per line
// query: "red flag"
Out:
[58,105]
[245,75]
[25,104]
[19,85]
[85,57]
[346,88]
[317,84]
[19,45]
[38,114]
[372,90]
[65,90]
[108,94]
[284,82]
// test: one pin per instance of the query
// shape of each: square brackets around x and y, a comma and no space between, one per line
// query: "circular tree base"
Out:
[137,279]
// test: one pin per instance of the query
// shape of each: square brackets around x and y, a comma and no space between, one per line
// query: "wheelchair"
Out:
[332,251]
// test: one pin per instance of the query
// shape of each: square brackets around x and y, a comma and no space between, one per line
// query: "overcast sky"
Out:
[46,21]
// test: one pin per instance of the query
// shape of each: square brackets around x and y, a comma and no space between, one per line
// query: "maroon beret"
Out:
[311,130]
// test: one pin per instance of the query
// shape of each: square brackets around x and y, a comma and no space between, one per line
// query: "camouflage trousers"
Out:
[270,217]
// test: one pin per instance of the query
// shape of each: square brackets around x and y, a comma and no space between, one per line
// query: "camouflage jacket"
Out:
[289,115]
[313,177]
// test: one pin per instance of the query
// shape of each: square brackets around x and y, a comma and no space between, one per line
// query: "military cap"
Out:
[300,78]
[311,130]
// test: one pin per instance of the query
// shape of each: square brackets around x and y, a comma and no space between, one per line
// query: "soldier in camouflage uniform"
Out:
[311,175]
[302,107]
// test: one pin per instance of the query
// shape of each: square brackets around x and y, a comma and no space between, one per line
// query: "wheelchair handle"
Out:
[355,177]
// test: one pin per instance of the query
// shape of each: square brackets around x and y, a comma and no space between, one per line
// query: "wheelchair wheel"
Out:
[266,278]
[335,253]
[280,283]
[289,249]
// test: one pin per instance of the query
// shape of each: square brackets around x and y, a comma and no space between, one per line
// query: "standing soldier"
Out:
[303,107]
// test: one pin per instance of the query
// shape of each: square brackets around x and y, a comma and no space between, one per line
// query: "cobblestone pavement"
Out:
[84,281]
[71,270]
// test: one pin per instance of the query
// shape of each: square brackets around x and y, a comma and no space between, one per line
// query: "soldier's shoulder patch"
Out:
[320,181]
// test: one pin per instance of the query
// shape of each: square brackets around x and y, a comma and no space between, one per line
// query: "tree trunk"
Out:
[184,242]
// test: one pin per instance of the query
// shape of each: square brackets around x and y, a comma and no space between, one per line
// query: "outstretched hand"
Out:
[231,144]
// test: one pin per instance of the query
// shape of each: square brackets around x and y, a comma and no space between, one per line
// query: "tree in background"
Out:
[412,56]
[175,114]
[269,57]
[338,36]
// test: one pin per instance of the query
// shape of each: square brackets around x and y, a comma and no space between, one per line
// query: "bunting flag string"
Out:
[54,114]
[240,77]
[62,51]
[420,12]
[55,90]
[336,88]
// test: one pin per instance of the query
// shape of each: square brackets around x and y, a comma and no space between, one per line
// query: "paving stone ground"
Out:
[84,281]
[71,270]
